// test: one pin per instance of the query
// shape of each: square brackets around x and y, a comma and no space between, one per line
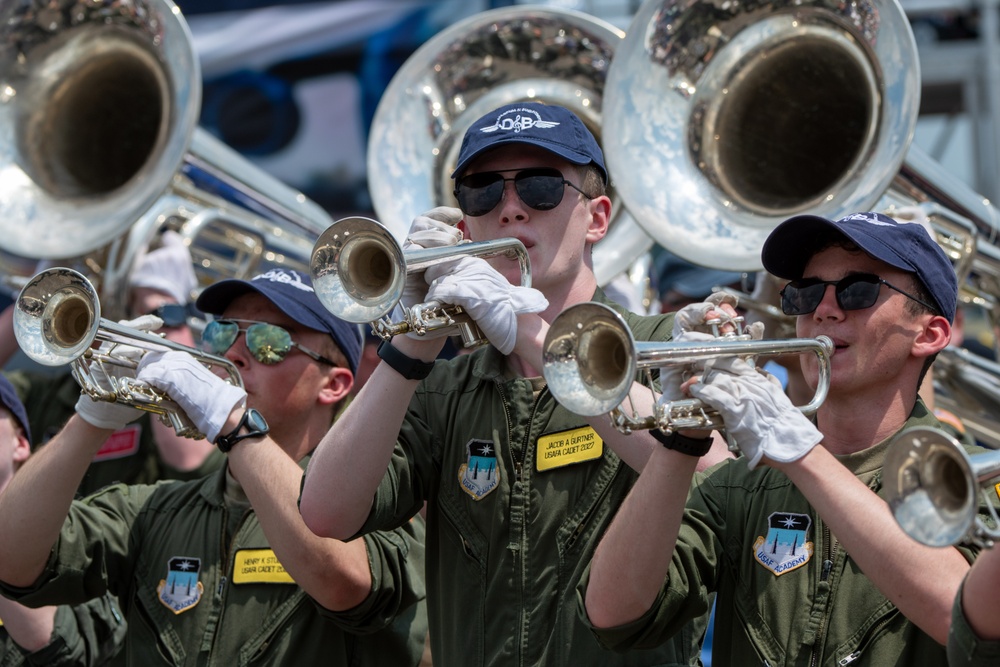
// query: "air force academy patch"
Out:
[479,475]
[785,548]
[181,590]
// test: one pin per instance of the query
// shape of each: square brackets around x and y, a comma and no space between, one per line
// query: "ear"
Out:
[22,448]
[600,218]
[336,386]
[935,337]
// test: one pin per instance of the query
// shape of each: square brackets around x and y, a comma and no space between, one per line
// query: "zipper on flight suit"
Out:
[829,551]
[518,470]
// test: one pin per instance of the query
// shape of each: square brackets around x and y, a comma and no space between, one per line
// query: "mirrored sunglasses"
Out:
[541,189]
[268,343]
[854,292]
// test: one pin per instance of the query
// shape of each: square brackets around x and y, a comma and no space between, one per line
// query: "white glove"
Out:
[204,397]
[489,299]
[692,316]
[672,377]
[105,414]
[757,413]
[434,229]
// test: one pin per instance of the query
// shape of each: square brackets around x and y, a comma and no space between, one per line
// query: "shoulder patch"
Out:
[786,546]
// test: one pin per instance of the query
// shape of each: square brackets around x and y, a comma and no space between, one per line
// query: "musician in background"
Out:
[518,489]
[974,640]
[809,564]
[223,568]
[162,283]
[85,635]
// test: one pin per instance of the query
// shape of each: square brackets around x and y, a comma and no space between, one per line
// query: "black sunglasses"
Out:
[541,189]
[174,314]
[268,343]
[854,292]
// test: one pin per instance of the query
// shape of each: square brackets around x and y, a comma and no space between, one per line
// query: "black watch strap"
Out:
[252,421]
[683,444]
[408,367]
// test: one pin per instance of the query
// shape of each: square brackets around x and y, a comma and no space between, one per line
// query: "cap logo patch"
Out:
[280,276]
[512,121]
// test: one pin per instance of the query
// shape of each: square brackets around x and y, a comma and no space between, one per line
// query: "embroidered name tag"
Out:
[568,447]
[259,566]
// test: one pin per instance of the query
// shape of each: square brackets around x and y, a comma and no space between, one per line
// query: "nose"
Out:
[511,207]
[238,353]
[828,307]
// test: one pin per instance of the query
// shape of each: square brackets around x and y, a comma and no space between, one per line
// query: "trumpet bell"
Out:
[56,317]
[593,383]
[358,269]
[932,486]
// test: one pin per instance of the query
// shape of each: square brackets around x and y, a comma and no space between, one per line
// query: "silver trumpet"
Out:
[931,485]
[359,271]
[590,360]
[57,320]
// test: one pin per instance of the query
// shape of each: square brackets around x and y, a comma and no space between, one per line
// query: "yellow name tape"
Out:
[259,566]
[562,449]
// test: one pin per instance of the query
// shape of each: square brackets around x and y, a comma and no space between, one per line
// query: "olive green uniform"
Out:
[199,584]
[965,649]
[511,521]
[87,635]
[788,594]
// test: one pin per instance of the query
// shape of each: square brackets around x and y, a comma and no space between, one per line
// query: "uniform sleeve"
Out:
[396,560]
[91,556]
[415,464]
[965,649]
[686,592]
[85,635]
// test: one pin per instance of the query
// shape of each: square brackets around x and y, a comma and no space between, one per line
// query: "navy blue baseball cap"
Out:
[9,400]
[554,128]
[904,244]
[292,292]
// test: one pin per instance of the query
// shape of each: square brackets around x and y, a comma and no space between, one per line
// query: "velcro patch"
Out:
[568,447]
[259,566]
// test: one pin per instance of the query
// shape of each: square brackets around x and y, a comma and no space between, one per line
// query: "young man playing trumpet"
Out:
[808,562]
[510,529]
[222,569]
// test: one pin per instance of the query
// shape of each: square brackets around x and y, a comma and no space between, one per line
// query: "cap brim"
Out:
[571,156]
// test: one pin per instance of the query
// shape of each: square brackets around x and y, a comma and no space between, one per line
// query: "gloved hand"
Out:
[105,414]
[692,316]
[672,377]
[491,301]
[204,397]
[757,413]
[434,229]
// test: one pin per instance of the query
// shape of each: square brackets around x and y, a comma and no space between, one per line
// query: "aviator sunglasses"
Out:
[855,292]
[541,189]
[268,343]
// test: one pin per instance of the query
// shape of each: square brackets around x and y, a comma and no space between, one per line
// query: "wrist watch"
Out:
[408,367]
[254,424]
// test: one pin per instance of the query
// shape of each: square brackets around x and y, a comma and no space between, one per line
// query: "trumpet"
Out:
[57,320]
[359,271]
[590,360]
[931,484]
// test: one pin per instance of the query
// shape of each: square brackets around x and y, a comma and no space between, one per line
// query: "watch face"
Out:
[255,421]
